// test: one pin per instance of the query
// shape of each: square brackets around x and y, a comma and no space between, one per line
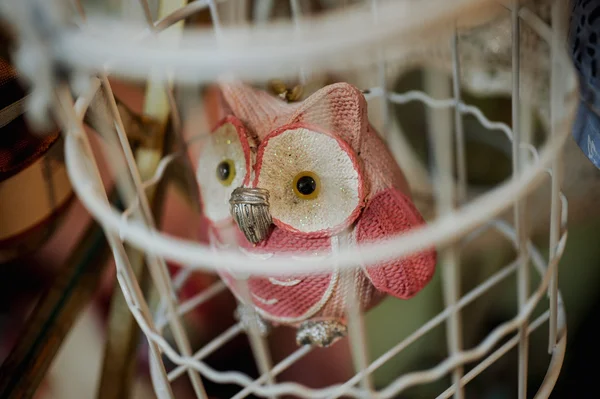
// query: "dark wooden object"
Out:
[53,317]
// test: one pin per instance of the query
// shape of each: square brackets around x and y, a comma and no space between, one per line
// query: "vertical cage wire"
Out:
[296,12]
[441,141]
[519,208]
[356,328]
[258,343]
[160,94]
[461,156]
[559,31]
[125,274]
[382,83]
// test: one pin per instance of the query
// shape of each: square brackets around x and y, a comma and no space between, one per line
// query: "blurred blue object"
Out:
[584,35]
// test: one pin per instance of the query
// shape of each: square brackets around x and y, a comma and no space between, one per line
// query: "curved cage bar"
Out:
[396,35]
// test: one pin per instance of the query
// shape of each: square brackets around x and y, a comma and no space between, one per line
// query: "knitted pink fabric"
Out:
[385,209]
[339,108]
[295,298]
[295,295]
[391,212]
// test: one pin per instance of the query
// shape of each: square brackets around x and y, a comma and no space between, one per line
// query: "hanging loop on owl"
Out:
[250,209]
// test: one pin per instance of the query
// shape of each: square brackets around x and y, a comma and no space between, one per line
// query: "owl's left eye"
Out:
[226,172]
[223,165]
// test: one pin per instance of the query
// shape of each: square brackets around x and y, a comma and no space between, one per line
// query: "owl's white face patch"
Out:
[313,180]
[222,166]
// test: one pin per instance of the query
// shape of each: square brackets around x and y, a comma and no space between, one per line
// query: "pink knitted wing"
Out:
[390,212]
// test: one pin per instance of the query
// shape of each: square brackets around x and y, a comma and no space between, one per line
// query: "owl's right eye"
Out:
[226,172]
[306,185]
[313,178]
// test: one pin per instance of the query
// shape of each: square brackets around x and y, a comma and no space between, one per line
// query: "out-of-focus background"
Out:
[58,268]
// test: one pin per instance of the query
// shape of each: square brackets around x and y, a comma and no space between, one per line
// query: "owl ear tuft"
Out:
[340,108]
[260,111]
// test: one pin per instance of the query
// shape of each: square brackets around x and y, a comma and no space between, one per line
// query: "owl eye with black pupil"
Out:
[223,171]
[226,172]
[306,185]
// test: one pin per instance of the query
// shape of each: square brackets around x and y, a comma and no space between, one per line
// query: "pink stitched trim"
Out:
[355,163]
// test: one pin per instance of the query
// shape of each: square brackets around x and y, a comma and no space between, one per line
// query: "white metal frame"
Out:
[456,224]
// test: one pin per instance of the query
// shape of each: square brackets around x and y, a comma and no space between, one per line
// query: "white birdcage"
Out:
[368,44]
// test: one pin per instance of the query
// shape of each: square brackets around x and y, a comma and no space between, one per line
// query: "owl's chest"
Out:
[295,297]
[289,299]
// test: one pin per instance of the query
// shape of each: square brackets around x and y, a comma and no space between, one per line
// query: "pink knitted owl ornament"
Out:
[309,178]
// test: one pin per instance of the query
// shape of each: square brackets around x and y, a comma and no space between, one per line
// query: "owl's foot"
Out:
[321,333]
[246,316]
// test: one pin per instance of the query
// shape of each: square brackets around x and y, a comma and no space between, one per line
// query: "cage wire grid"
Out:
[453,228]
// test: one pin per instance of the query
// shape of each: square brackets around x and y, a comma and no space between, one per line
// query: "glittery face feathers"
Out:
[334,174]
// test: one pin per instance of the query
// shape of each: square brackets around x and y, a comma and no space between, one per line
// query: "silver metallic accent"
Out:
[321,333]
[245,316]
[250,210]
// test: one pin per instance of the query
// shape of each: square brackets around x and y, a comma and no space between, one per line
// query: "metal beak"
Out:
[249,208]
